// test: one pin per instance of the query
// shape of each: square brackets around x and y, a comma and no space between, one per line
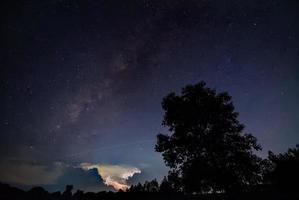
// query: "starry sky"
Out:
[82,82]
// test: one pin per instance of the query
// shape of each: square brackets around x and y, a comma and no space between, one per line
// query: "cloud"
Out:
[86,180]
[27,173]
[52,176]
[113,175]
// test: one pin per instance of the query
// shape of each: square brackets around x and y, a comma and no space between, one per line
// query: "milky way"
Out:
[82,81]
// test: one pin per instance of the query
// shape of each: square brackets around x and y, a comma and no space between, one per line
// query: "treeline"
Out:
[38,193]
[280,174]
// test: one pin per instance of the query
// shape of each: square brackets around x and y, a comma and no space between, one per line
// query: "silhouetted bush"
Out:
[283,170]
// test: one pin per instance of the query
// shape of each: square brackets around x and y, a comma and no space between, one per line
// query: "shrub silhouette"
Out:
[283,172]
[207,151]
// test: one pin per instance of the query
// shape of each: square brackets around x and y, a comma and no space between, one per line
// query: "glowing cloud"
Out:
[113,175]
[26,173]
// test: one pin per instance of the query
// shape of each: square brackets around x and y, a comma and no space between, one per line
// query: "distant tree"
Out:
[207,151]
[166,186]
[148,186]
[37,193]
[67,194]
[56,195]
[136,188]
[152,186]
[78,195]
[284,170]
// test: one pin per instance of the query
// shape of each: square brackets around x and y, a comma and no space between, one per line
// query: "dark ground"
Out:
[38,193]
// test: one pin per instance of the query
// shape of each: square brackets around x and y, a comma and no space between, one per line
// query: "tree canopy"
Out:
[206,149]
[284,169]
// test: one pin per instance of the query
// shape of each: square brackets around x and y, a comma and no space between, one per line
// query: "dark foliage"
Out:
[11,193]
[283,170]
[207,151]
[166,186]
[148,186]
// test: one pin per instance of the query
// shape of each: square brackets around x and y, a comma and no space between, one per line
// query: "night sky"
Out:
[82,82]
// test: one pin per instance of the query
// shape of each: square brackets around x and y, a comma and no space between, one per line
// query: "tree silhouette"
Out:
[67,194]
[38,193]
[207,151]
[166,186]
[136,188]
[148,186]
[151,186]
[284,170]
